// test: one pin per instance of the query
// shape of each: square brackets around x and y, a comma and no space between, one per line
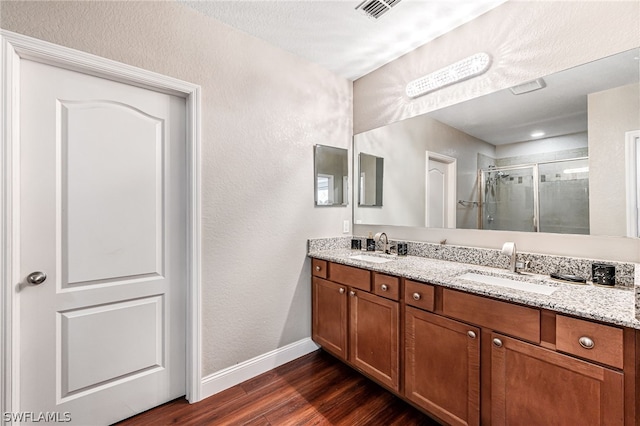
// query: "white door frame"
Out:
[632,178]
[16,47]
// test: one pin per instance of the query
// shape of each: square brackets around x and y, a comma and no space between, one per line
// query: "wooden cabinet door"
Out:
[536,386]
[329,317]
[374,341]
[442,366]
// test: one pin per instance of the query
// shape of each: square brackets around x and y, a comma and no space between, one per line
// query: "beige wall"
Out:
[526,39]
[611,114]
[263,109]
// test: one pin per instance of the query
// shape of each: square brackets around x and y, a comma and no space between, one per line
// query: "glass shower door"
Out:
[508,198]
[564,196]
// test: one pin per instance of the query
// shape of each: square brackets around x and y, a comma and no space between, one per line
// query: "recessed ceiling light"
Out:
[537,134]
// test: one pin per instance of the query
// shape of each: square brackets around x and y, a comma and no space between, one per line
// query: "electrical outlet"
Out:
[345,226]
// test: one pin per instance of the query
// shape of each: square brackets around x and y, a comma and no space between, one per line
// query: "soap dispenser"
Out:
[371,243]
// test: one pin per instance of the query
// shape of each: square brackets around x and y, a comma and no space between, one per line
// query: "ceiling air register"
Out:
[374,9]
[469,67]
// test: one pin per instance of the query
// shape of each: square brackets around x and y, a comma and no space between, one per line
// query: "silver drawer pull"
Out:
[318,268]
[384,287]
[471,334]
[416,296]
[341,290]
[586,342]
[352,293]
[497,342]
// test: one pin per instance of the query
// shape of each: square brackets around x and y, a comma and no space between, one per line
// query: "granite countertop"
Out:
[613,305]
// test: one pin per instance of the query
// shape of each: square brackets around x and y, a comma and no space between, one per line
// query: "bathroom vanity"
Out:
[471,353]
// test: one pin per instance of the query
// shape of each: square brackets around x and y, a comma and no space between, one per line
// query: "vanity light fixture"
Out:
[469,67]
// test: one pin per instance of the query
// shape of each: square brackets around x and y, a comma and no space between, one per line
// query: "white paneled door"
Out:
[440,185]
[102,231]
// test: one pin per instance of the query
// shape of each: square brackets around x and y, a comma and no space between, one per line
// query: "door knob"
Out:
[36,278]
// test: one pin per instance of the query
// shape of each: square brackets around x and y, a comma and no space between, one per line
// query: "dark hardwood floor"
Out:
[316,389]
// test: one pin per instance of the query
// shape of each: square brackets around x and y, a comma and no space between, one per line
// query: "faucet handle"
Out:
[523,265]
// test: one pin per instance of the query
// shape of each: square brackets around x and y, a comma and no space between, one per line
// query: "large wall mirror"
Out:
[331,176]
[545,156]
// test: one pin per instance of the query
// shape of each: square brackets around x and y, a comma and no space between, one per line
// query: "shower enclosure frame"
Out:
[536,181]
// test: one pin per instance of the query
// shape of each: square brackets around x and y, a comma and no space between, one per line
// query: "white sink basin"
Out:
[506,282]
[369,258]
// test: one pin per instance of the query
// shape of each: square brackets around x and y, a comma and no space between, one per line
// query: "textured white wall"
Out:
[527,39]
[263,109]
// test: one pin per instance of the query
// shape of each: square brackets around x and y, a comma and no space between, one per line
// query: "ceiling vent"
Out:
[374,9]
[530,86]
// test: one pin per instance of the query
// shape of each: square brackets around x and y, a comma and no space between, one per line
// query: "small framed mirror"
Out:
[370,173]
[331,173]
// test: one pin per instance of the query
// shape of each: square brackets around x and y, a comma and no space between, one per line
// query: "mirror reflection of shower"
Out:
[490,202]
[550,196]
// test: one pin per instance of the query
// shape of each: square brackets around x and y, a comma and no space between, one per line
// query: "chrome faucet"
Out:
[385,245]
[510,250]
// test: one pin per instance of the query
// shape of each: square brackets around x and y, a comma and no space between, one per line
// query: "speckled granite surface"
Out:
[538,263]
[320,244]
[607,304]
[637,288]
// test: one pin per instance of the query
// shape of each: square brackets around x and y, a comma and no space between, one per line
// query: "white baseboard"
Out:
[236,374]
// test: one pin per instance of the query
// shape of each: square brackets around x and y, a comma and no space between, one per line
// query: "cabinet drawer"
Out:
[386,286]
[348,275]
[590,340]
[319,268]
[514,320]
[419,295]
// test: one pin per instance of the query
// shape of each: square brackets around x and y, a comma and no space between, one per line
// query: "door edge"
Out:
[16,47]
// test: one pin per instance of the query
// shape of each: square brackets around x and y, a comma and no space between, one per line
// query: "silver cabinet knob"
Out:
[36,278]
[352,293]
[586,342]
[318,268]
[384,287]
[341,290]
[471,334]
[497,343]
[416,296]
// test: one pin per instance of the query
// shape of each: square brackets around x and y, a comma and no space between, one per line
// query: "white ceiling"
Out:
[336,36]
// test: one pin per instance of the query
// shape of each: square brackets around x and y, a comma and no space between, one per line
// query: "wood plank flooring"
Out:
[316,389]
